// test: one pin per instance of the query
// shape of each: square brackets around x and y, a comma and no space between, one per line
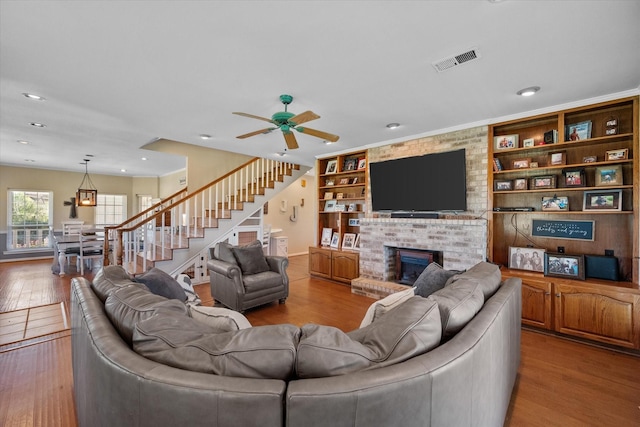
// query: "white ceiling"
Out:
[117,75]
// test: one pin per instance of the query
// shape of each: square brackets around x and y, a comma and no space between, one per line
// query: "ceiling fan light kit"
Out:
[286,122]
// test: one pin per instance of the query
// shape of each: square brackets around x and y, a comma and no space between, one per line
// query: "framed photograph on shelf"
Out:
[539,182]
[343,181]
[348,241]
[563,265]
[341,207]
[332,166]
[621,154]
[354,222]
[356,245]
[574,177]
[503,185]
[529,142]
[362,163]
[328,195]
[339,195]
[505,142]
[531,259]
[611,125]
[603,200]
[329,182]
[350,164]
[520,184]
[589,159]
[330,205]
[609,175]
[557,159]
[578,131]
[555,203]
[335,241]
[351,208]
[534,164]
[354,180]
[326,236]
[521,163]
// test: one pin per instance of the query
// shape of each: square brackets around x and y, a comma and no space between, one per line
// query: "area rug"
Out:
[20,325]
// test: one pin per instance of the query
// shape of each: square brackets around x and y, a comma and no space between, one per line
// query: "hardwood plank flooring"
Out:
[560,383]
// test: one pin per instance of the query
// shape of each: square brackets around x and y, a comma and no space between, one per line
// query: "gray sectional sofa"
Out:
[417,363]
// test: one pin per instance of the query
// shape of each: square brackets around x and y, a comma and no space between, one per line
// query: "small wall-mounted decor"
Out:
[562,229]
[611,125]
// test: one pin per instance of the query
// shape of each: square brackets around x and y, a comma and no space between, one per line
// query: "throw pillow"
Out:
[458,304]
[182,342]
[250,259]
[432,279]
[185,282]
[486,274]
[130,304]
[221,319]
[385,304]
[408,330]
[161,283]
[222,251]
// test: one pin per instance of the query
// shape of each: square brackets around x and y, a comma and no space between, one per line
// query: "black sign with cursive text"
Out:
[580,230]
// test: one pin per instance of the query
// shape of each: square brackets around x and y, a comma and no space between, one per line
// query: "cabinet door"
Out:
[320,262]
[345,266]
[536,303]
[594,312]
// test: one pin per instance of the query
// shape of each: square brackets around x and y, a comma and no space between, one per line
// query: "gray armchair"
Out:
[243,277]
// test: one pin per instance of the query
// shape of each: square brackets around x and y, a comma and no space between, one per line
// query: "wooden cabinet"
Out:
[341,191]
[592,309]
[598,312]
[342,266]
[320,262]
[536,163]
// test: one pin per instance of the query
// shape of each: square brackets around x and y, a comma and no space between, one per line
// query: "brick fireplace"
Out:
[463,243]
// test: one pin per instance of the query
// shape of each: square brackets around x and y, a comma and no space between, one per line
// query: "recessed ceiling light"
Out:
[29,160]
[33,96]
[393,125]
[528,91]
[144,158]
[205,136]
[280,153]
[38,125]
[123,170]
[328,142]
[21,141]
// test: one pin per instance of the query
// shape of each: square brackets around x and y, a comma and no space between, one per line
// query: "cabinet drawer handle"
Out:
[558,295]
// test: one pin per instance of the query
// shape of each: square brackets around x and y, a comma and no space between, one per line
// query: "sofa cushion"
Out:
[250,258]
[458,303]
[432,278]
[161,283]
[222,251]
[385,304]
[221,319]
[111,278]
[486,274]
[183,342]
[407,330]
[128,305]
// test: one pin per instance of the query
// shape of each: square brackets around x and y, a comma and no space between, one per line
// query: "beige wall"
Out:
[64,186]
[203,164]
[301,232]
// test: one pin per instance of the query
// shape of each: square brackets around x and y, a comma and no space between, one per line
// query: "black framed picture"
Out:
[563,265]
[574,177]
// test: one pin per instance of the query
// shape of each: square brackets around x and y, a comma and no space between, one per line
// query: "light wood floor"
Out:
[560,382]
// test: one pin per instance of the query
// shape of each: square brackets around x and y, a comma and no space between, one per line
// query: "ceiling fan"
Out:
[286,122]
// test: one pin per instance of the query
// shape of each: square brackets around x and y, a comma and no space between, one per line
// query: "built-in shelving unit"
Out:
[536,163]
[341,192]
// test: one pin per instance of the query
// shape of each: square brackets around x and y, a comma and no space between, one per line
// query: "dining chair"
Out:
[91,247]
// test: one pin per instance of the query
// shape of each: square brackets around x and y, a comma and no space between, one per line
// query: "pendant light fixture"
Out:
[87,194]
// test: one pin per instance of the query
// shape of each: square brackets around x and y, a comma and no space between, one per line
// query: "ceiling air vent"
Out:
[452,61]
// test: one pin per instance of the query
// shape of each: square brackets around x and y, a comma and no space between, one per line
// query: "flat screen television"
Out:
[429,183]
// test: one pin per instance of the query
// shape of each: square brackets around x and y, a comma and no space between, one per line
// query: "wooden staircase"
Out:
[171,233]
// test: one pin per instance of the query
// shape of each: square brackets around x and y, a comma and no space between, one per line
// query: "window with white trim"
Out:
[29,216]
[110,210]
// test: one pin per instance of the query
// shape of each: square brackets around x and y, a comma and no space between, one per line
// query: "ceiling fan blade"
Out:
[258,132]
[318,134]
[251,116]
[290,139]
[307,116]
